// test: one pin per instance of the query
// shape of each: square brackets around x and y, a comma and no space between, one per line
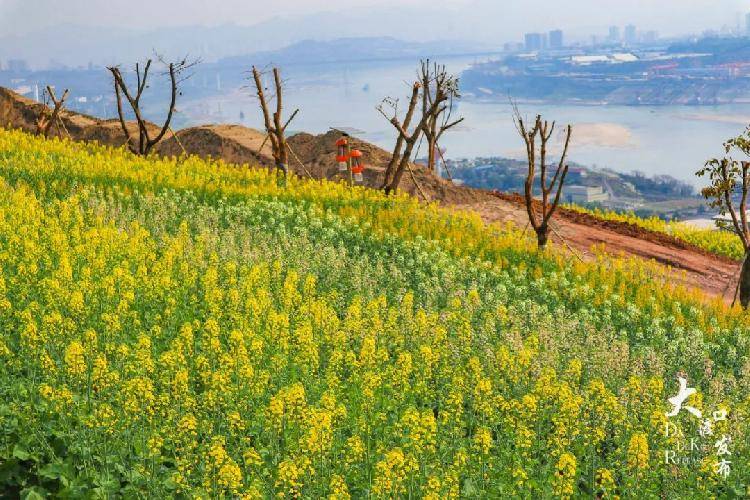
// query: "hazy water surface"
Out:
[672,140]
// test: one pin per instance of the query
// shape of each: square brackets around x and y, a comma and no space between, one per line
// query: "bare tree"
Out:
[401,139]
[146,142]
[47,118]
[542,130]
[400,161]
[730,184]
[437,81]
[274,128]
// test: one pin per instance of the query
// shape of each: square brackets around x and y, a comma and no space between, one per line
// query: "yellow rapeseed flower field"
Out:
[179,327]
[724,243]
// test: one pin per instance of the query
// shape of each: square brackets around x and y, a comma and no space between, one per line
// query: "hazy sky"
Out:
[495,19]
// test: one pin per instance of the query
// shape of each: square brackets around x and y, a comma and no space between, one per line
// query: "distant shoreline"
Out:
[485,99]
[729,119]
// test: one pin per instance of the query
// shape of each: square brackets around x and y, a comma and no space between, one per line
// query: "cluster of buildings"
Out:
[627,36]
[616,36]
[554,40]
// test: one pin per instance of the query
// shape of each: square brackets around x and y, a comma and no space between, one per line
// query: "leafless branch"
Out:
[273,121]
[46,118]
[438,86]
[541,131]
[146,142]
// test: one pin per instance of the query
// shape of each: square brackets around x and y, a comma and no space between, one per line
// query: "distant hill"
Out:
[660,195]
[355,49]
[75,45]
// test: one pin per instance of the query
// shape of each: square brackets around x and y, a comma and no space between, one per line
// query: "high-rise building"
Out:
[631,34]
[556,39]
[614,34]
[534,41]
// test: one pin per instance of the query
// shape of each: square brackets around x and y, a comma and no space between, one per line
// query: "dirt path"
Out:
[691,267]
[710,274]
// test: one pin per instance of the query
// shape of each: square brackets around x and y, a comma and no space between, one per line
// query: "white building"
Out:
[585,60]
[584,194]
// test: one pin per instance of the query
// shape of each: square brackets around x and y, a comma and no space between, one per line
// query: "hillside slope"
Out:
[231,143]
[587,235]
[239,145]
[180,328]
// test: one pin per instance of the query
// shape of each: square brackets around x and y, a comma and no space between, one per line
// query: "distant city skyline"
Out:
[46,35]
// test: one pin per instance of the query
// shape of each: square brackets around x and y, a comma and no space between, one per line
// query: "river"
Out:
[673,140]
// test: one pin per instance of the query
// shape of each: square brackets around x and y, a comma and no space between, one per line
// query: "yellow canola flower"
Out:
[289,480]
[638,451]
[199,338]
[391,473]
[75,363]
[717,241]
[563,481]
[338,488]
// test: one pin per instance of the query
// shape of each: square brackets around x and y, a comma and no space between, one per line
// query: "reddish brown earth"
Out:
[689,265]
[714,275]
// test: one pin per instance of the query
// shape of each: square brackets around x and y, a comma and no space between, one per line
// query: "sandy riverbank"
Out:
[608,135]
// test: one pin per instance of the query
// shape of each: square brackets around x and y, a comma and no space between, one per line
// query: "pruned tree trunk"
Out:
[436,82]
[546,206]
[46,119]
[436,87]
[275,129]
[745,283]
[409,138]
[431,156]
[396,157]
[403,164]
[146,142]
[542,235]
